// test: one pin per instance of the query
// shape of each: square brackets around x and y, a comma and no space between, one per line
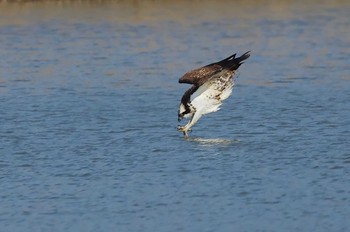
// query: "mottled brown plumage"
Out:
[200,75]
[211,85]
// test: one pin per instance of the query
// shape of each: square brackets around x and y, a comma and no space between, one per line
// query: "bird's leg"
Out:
[185,134]
[184,130]
[189,125]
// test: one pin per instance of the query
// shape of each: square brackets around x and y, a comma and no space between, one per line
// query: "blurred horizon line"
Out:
[173,1]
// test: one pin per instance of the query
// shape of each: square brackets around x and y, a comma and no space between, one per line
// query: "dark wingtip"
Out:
[245,55]
[233,64]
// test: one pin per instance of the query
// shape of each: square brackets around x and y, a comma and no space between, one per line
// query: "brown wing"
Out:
[199,76]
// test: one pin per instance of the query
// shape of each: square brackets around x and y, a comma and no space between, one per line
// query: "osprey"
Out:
[211,84]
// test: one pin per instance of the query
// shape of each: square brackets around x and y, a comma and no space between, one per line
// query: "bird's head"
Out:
[185,111]
[181,113]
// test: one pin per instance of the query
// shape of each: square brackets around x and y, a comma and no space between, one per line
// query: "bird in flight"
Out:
[211,85]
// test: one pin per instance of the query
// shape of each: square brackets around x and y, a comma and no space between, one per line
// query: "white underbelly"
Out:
[210,96]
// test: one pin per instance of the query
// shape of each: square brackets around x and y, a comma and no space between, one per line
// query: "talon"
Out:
[181,128]
[184,130]
[185,134]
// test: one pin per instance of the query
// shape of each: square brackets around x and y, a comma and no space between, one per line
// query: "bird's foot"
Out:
[184,130]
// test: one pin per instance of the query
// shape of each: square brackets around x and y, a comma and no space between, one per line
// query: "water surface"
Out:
[89,97]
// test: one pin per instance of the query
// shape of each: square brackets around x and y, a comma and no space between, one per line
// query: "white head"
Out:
[181,112]
[185,111]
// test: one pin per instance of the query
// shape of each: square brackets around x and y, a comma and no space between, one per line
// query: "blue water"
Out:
[89,99]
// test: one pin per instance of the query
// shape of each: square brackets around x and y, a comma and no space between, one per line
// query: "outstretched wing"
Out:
[199,76]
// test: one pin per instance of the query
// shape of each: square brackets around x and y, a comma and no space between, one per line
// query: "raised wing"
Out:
[199,76]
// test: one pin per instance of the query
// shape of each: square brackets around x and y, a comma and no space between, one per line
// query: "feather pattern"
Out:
[211,85]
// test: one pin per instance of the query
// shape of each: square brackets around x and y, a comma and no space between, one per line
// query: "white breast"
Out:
[209,96]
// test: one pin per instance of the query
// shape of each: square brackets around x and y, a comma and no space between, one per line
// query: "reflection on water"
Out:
[212,141]
[89,98]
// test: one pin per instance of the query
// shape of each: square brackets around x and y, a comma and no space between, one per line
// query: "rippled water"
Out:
[89,98]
